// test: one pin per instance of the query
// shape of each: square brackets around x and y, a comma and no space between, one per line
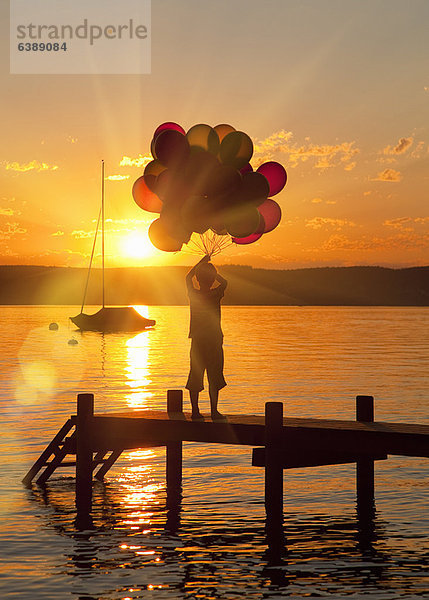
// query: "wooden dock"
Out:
[278,443]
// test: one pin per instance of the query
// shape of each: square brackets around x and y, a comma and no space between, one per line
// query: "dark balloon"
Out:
[144,197]
[160,237]
[152,148]
[223,129]
[255,188]
[151,172]
[236,149]
[169,125]
[172,219]
[172,188]
[171,147]
[242,222]
[224,179]
[253,237]
[203,137]
[271,213]
[198,171]
[197,214]
[275,174]
[246,169]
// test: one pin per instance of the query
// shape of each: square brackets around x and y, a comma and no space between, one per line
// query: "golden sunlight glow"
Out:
[136,245]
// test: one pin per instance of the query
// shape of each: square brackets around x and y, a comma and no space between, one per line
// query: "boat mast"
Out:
[102,222]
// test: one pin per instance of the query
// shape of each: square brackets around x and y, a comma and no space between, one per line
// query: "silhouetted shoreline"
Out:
[325,286]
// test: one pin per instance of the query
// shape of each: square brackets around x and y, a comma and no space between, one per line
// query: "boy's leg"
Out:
[194,404]
[214,397]
[215,377]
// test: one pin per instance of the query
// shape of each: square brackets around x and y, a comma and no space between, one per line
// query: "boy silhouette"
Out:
[206,334]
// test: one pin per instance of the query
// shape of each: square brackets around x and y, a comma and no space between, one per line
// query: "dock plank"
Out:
[129,429]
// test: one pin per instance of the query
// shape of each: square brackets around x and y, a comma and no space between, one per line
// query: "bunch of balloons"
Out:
[201,181]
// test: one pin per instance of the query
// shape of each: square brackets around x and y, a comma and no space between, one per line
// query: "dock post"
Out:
[84,459]
[174,453]
[365,466]
[274,479]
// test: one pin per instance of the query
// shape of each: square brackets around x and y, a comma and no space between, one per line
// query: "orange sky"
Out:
[336,91]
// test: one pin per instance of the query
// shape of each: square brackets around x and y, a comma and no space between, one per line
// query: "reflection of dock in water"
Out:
[278,443]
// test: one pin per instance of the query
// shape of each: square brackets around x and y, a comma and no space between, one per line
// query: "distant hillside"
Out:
[165,285]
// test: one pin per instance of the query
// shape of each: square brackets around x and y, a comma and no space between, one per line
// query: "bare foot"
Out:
[197,416]
[217,416]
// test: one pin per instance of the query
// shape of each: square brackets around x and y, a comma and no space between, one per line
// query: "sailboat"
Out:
[108,319]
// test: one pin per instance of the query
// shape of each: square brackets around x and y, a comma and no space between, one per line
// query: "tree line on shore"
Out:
[349,286]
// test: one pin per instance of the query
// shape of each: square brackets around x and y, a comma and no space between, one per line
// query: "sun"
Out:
[137,245]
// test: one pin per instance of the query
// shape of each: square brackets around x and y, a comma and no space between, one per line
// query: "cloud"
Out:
[140,161]
[72,140]
[58,234]
[7,212]
[276,142]
[117,177]
[320,200]
[79,234]
[398,223]
[388,175]
[402,146]
[319,222]
[34,165]
[401,241]
[324,155]
[406,223]
[12,230]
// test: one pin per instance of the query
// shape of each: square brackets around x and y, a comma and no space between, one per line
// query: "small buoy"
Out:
[72,342]
[53,326]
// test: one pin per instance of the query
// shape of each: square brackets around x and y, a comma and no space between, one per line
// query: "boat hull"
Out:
[113,319]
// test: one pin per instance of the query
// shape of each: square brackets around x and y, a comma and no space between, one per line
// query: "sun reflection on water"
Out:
[137,370]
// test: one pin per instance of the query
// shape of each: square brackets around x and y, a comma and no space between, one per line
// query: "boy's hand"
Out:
[205,258]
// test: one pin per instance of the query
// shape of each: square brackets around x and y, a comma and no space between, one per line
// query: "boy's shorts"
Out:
[206,355]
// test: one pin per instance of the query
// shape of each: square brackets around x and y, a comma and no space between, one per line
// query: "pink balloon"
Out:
[271,213]
[276,175]
[169,125]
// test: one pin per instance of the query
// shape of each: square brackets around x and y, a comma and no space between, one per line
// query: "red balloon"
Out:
[144,197]
[276,175]
[169,125]
[171,147]
[271,213]
[160,237]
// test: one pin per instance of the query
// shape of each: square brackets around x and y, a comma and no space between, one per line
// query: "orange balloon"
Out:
[144,197]
[223,129]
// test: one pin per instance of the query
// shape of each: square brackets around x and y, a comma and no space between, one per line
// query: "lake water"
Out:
[315,360]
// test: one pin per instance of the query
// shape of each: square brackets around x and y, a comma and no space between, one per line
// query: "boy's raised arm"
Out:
[191,273]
